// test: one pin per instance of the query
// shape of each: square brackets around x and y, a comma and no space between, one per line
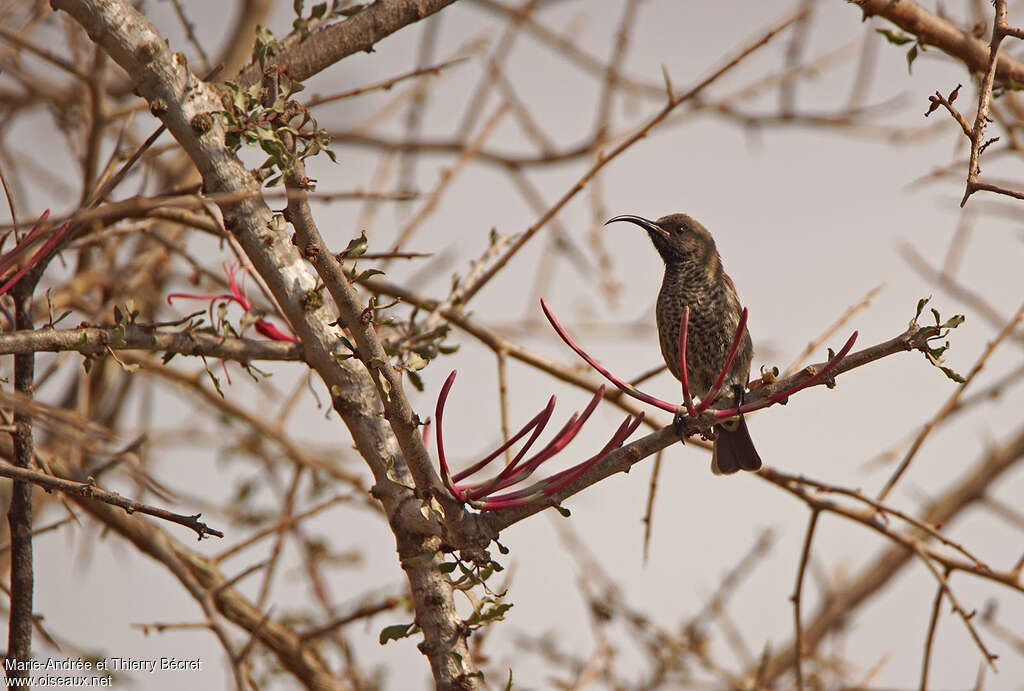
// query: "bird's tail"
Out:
[734,450]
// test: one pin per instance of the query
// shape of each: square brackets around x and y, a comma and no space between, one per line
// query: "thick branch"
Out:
[444,637]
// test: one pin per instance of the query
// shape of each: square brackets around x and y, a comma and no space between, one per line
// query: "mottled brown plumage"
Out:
[694,277]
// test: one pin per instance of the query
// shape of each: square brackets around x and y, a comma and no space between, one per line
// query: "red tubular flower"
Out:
[481,495]
[238,295]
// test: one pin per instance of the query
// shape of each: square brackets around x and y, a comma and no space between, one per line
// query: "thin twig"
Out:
[805,556]
[950,403]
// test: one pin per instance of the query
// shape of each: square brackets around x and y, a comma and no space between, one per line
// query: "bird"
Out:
[694,278]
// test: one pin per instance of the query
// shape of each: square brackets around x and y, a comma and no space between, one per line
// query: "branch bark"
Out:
[19,514]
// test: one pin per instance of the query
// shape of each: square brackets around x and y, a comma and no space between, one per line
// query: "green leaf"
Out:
[319,10]
[356,248]
[911,56]
[486,615]
[417,381]
[447,567]
[953,322]
[117,339]
[897,38]
[562,510]
[920,306]
[363,275]
[508,684]
[216,382]
[952,374]
[396,632]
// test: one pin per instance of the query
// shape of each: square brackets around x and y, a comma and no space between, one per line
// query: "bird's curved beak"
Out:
[649,226]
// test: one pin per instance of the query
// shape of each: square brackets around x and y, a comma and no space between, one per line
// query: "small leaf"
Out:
[920,306]
[562,510]
[216,382]
[414,363]
[952,374]
[363,275]
[356,247]
[897,38]
[911,56]
[117,338]
[485,615]
[396,632]
[417,381]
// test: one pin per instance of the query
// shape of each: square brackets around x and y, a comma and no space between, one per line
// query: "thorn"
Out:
[668,83]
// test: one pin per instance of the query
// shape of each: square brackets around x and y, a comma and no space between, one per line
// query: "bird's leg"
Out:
[679,422]
[738,395]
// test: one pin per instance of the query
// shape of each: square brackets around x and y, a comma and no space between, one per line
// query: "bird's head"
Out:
[677,237]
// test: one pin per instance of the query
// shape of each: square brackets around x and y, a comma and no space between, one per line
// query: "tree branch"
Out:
[90,490]
[481,528]
[934,30]
[326,46]
[96,340]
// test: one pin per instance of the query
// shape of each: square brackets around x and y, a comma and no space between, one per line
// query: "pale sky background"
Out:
[807,222]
